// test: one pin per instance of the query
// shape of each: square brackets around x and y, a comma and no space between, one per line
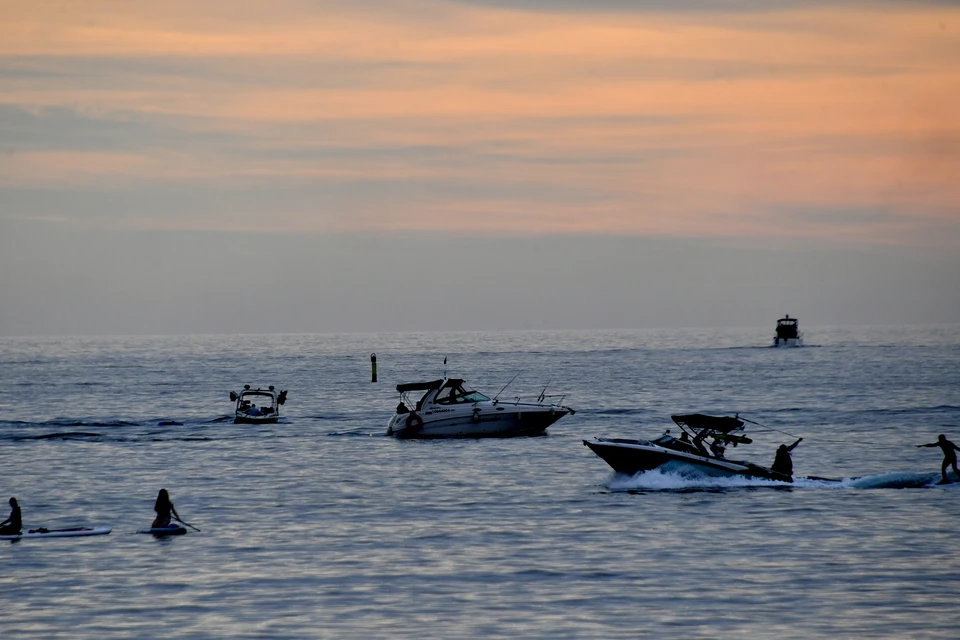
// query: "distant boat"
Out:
[258,406]
[788,333]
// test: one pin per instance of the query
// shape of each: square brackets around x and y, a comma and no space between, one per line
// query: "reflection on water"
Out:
[322,527]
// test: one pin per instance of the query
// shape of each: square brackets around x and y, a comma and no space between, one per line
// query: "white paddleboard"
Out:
[59,533]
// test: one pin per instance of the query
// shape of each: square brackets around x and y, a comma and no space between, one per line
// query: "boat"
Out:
[451,409]
[169,530]
[258,406]
[788,333]
[686,453]
[58,533]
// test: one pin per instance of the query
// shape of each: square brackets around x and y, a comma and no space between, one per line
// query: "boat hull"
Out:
[510,422]
[245,419]
[788,342]
[631,457]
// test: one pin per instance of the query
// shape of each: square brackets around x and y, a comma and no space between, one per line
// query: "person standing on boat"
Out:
[783,463]
[12,525]
[164,507]
[949,457]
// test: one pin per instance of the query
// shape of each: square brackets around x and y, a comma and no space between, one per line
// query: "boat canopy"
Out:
[700,422]
[427,386]
[787,320]
[257,392]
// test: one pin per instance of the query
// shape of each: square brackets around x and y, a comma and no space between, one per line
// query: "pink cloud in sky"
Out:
[640,122]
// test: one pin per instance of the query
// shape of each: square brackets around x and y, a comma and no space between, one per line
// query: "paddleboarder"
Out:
[949,457]
[164,507]
[783,463]
[12,525]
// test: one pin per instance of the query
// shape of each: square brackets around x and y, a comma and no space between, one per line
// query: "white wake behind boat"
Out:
[450,409]
[58,533]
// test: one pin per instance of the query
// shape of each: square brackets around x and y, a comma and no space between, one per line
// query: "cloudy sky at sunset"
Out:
[365,165]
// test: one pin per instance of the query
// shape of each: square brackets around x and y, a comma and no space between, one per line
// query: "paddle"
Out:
[186,523]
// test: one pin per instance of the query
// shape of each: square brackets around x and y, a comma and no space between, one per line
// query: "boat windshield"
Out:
[459,394]
[262,399]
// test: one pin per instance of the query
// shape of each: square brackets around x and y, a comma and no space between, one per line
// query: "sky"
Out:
[234,166]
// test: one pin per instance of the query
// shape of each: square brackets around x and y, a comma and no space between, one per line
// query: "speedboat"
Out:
[258,406]
[450,409]
[788,333]
[686,453]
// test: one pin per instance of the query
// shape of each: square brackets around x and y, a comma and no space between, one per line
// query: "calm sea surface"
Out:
[322,527]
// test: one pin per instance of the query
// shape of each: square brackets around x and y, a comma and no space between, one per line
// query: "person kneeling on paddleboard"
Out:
[164,507]
[949,457]
[12,525]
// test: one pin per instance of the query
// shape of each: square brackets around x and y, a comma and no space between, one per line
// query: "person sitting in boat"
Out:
[402,408]
[684,444]
[717,448]
[949,457]
[12,525]
[164,508]
[698,444]
[783,463]
[254,411]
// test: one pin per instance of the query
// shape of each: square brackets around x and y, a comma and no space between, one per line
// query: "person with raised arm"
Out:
[783,463]
[949,455]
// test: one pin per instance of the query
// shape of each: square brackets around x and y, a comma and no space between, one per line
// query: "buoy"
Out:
[373,367]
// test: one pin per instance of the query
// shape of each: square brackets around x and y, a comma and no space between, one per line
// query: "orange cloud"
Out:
[630,122]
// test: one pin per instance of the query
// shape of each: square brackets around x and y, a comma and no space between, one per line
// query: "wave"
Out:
[357,433]
[617,412]
[67,435]
[67,422]
[940,408]
[658,480]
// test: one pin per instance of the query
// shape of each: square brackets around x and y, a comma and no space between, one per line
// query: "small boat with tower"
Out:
[700,449]
[258,406]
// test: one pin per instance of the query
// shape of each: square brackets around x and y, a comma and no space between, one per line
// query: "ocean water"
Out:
[321,527]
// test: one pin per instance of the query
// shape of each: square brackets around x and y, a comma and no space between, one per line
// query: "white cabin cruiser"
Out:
[788,333]
[258,406]
[450,409]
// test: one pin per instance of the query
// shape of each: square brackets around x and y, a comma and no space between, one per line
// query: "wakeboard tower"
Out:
[701,449]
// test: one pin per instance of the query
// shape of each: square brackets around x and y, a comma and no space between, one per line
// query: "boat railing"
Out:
[539,401]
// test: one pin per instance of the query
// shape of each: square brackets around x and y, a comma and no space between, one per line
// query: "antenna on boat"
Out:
[543,394]
[507,385]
